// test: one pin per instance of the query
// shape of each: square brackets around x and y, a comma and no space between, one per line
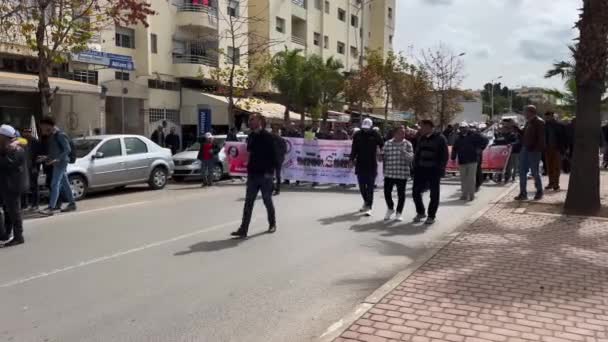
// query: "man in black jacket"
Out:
[364,154]
[262,164]
[430,160]
[281,149]
[13,182]
[556,143]
[172,141]
[466,149]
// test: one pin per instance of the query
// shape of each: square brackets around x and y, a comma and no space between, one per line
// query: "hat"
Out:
[463,124]
[208,135]
[8,131]
[367,124]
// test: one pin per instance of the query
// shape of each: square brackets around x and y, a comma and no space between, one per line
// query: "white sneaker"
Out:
[363,209]
[398,217]
[388,215]
[368,213]
[419,218]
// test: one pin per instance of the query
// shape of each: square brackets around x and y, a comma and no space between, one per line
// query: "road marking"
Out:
[116,255]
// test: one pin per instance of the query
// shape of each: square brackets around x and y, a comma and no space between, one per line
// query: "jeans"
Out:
[32,197]
[366,186]
[12,220]
[553,157]
[512,167]
[60,183]
[426,178]
[389,183]
[529,161]
[207,171]
[255,184]
[468,177]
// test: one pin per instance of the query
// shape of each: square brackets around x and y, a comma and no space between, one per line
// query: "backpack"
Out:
[72,154]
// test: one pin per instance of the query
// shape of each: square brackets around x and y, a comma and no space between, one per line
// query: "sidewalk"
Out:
[518,273]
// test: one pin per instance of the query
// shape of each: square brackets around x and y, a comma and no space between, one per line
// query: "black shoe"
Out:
[556,188]
[4,238]
[272,229]
[239,234]
[521,198]
[276,193]
[14,242]
[549,187]
[69,208]
[47,212]
[538,196]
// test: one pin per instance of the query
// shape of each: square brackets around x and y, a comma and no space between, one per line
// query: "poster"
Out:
[237,155]
[495,159]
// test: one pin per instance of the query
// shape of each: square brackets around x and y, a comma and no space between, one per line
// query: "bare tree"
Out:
[445,70]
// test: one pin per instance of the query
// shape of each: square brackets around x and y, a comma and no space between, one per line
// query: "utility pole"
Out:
[492,97]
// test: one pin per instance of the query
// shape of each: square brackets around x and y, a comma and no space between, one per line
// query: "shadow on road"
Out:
[218,245]
[350,217]
[391,228]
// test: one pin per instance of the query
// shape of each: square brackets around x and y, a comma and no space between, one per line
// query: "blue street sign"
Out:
[204,121]
[110,60]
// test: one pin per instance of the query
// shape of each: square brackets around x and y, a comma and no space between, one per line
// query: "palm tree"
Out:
[590,73]
[331,84]
[287,76]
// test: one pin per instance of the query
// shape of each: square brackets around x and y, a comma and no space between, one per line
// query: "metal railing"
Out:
[190,7]
[298,40]
[301,3]
[194,59]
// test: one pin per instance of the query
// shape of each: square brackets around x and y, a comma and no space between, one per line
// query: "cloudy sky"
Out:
[518,39]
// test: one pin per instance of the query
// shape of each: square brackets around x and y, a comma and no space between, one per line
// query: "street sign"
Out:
[204,121]
[110,60]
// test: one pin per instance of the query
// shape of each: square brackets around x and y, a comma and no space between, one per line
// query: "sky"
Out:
[516,39]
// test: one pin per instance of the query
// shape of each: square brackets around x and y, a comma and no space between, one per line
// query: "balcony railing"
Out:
[190,7]
[194,59]
[301,3]
[298,40]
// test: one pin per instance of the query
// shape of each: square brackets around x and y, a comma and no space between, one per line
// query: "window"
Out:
[353,51]
[164,85]
[316,39]
[234,56]
[280,25]
[119,75]
[326,42]
[341,14]
[159,114]
[85,76]
[135,146]
[354,21]
[125,37]
[327,7]
[318,4]
[341,48]
[390,13]
[233,8]
[153,43]
[390,39]
[111,148]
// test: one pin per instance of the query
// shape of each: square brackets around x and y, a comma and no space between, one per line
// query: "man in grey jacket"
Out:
[58,157]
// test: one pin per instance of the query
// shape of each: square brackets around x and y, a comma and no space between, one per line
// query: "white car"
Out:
[188,166]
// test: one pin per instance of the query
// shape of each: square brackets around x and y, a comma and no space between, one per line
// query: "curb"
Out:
[335,330]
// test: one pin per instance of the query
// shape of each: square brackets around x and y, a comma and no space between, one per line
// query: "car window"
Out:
[85,146]
[111,148]
[135,146]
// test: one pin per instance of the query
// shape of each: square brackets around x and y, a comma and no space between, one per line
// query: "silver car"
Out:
[188,166]
[114,161]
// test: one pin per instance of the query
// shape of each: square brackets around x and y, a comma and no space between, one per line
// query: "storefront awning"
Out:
[29,83]
[270,110]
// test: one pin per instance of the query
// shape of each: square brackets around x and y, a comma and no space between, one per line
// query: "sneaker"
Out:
[429,221]
[557,188]
[398,217]
[471,198]
[538,196]
[47,212]
[272,229]
[388,215]
[363,209]
[14,242]
[69,208]
[368,213]
[463,198]
[419,218]
[276,193]
[4,238]
[521,198]
[239,234]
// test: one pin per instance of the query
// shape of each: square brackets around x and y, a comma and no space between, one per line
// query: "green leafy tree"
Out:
[288,67]
[53,29]
[414,92]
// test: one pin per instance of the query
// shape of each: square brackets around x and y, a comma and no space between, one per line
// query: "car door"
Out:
[139,160]
[108,166]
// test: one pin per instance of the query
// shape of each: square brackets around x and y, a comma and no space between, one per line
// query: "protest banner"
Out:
[238,156]
[495,159]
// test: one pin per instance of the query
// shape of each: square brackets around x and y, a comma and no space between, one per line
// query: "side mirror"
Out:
[98,155]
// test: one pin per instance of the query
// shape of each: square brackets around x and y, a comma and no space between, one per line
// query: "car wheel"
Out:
[178,179]
[79,186]
[218,173]
[158,178]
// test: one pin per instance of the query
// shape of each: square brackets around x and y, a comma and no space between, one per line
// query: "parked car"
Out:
[188,166]
[114,161]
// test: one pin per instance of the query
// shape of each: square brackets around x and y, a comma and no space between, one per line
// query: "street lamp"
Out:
[492,97]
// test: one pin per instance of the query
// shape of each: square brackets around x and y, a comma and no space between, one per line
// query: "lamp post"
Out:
[492,97]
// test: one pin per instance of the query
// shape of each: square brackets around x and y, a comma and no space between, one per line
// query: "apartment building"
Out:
[339,28]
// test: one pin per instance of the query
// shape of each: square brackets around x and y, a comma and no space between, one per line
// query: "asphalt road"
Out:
[158,266]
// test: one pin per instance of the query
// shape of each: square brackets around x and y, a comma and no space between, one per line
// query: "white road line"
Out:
[116,255]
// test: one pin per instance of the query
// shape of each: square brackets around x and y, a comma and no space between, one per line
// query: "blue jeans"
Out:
[529,161]
[59,182]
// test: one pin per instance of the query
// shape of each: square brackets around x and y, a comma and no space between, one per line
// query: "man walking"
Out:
[398,156]
[262,164]
[556,141]
[467,147]
[13,182]
[430,160]
[58,157]
[281,149]
[207,155]
[172,141]
[533,145]
[364,154]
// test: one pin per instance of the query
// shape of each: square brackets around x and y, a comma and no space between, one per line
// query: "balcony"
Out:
[300,41]
[197,16]
[194,66]
[299,8]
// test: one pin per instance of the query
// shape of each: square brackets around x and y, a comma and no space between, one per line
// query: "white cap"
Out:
[208,135]
[367,124]
[376,128]
[483,126]
[464,124]
[8,131]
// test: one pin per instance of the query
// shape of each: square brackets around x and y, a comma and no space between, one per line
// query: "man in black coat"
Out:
[466,149]
[281,148]
[172,141]
[13,182]
[33,152]
[158,136]
[261,167]
[364,154]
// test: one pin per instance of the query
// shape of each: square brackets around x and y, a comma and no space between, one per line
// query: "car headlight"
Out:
[197,163]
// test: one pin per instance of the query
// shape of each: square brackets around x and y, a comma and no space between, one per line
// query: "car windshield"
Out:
[217,142]
[85,146]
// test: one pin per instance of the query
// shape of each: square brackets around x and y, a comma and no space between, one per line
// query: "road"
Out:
[158,266]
